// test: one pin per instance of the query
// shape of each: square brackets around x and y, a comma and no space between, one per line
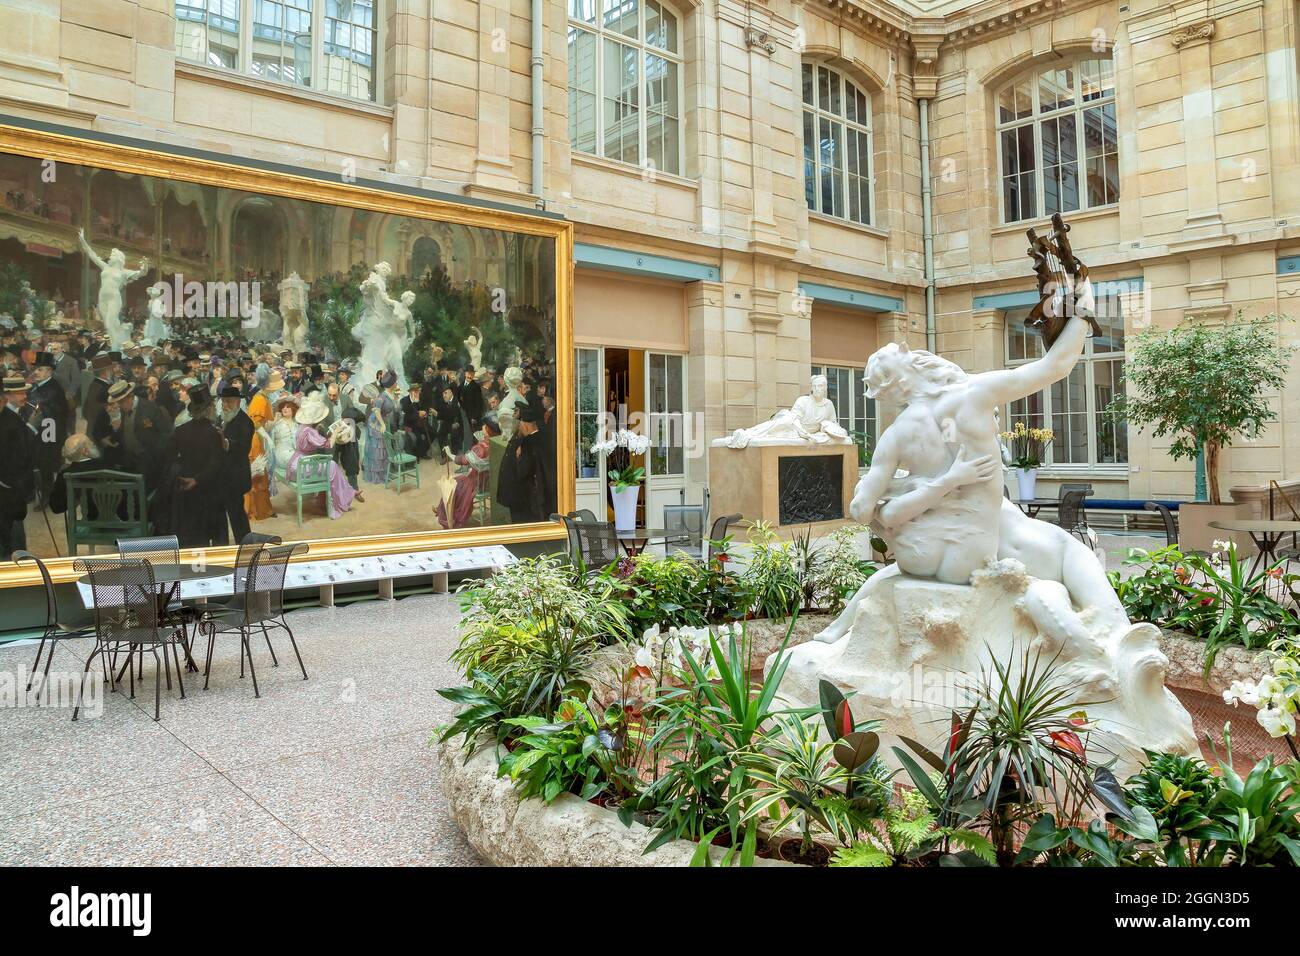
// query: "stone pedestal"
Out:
[918,650]
[787,486]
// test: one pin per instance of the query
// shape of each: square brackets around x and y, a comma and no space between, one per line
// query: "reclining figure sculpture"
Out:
[974,576]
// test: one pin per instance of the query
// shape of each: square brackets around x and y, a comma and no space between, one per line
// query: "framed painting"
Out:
[201,348]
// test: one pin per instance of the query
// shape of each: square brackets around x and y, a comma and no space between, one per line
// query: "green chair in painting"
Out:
[402,465]
[103,506]
[311,476]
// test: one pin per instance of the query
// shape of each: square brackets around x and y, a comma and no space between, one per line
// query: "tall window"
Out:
[1057,145]
[625,82]
[846,390]
[326,45]
[1076,409]
[836,144]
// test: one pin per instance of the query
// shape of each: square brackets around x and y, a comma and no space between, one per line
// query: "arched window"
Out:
[625,82]
[836,144]
[1057,145]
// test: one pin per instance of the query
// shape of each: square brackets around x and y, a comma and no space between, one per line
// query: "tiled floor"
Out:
[332,770]
[336,769]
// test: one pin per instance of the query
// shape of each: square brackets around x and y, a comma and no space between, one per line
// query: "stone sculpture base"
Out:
[919,649]
[746,481]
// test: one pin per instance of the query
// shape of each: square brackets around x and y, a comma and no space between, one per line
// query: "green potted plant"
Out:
[1027,448]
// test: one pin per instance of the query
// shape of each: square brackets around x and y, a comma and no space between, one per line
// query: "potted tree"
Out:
[624,479]
[1203,386]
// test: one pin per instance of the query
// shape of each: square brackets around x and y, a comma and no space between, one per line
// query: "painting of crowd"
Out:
[408,388]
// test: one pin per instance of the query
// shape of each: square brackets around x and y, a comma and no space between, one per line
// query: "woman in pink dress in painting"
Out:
[472,480]
[310,440]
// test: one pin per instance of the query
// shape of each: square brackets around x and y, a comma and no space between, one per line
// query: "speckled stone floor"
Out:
[332,770]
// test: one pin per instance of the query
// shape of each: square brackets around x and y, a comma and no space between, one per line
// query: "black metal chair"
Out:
[1070,515]
[597,544]
[688,520]
[1167,518]
[1083,486]
[719,530]
[258,604]
[58,627]
[126,618]
[253,544]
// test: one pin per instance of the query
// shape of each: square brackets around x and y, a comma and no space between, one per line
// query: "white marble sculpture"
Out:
[382,330]
[810,421]
[114,277]
[960,595]
[293,313]
[155,327]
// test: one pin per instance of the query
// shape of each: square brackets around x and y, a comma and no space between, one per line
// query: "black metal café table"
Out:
[1031,506]
[636,540]
[1266,534]
[169,577]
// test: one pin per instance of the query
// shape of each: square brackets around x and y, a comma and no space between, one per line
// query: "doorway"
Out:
[631,387]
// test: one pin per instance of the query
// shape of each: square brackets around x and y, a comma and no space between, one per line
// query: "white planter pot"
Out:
[625,507]
[1027,482]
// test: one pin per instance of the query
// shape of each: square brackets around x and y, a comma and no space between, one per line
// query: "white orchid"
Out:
[1241,692]
[623,438]
[1220,545]
[1276,721]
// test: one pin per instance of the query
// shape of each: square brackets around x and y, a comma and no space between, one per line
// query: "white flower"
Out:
[1241,692]
[1276,722]
[1270,690]
[1222,545]
[644,657]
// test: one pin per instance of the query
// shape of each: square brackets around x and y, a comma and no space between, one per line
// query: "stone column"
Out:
[988,338]
[493,176]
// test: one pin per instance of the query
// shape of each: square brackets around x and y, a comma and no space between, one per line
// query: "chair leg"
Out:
[37,663]
[248,650]
[176,657]
[295,647]
[81,695]
[157,679]
[207,666]
[267,634]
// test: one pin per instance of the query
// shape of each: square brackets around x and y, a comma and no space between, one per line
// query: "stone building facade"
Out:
[746,178]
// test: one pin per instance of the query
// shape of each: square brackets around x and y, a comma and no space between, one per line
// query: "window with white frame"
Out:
[625,82]
[1077,409]
[1058,149]
[846,390]
[836,144]
[325,45]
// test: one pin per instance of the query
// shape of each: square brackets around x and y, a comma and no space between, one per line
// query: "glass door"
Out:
[665,413]
[589,406]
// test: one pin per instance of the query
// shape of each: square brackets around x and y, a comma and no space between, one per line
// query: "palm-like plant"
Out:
[1016,749]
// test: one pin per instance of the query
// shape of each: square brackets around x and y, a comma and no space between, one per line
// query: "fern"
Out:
[861,854]
[973,842]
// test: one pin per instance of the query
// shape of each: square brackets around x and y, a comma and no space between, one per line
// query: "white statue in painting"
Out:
[514,377]
[114,277]
[293,313]
[960,590]
[810,421]
[474,348]
[155,327]
[386,327]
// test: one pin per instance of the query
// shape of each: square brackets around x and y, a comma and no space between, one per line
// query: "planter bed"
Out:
[507,831]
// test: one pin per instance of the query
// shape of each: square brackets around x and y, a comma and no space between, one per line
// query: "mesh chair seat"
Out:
[57,627]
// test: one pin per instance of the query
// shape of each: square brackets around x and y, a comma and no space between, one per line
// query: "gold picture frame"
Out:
[140,160]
